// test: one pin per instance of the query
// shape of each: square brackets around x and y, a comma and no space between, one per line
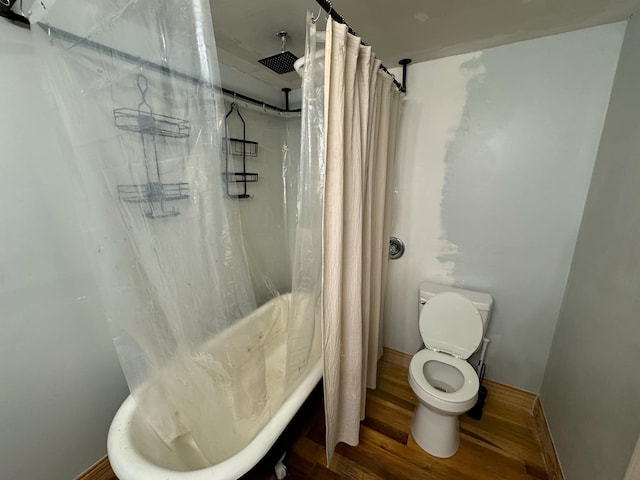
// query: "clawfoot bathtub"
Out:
[136,452]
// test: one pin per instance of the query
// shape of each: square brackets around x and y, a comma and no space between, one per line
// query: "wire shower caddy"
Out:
[155,193]
[241,148]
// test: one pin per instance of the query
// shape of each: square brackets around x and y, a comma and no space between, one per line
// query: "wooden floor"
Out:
[502,445]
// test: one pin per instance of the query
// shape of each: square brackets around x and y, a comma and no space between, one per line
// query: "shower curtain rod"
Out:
[328,7]
[63,34]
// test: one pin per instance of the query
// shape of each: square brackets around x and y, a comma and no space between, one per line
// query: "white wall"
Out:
[591,389]
[61,380]
[495,157]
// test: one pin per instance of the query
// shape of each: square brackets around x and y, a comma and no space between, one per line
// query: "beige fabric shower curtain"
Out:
[362,108]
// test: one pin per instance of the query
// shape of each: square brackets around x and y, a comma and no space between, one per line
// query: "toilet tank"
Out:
[481,300]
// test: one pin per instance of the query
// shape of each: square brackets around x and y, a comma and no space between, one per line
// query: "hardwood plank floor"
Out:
[502,445]
[99,471]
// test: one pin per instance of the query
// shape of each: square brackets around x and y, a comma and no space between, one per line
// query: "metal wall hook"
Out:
[143,87]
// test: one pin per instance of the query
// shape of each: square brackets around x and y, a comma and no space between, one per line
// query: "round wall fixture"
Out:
[396,248]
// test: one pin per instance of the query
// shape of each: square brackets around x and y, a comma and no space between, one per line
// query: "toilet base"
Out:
[436,434]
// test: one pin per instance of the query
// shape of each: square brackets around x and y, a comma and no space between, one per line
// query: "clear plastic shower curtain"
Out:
[137,86]
[309,198]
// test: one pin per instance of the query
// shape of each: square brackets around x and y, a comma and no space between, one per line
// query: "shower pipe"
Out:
[63,34]
[328,7]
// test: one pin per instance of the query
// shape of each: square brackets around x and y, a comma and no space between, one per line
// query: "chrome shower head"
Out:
[281,62]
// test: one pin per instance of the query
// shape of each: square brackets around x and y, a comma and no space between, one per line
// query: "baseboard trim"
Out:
[548,448]
[395,357]
[527,400]
[512,395]
[633,471]
[101,470]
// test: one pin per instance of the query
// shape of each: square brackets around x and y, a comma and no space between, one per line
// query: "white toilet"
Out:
[452,325]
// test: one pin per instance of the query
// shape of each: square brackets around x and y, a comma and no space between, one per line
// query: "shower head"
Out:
[281,62]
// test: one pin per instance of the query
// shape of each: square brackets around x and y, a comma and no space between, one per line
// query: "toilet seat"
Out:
[450,323]
[464,394]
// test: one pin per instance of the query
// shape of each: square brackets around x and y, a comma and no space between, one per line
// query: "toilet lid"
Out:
[450,323]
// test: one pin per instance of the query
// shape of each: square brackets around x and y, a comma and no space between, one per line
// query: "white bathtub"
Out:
[137,453]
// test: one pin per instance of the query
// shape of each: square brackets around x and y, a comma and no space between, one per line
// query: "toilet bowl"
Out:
[444,382]
[446,388]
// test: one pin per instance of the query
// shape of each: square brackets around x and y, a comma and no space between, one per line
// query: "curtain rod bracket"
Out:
[404,62]
[286,91]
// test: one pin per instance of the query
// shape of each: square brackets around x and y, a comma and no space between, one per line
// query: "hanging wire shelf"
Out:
[240,177]
[154,213]
[239,147]
[153,192]
[151,123]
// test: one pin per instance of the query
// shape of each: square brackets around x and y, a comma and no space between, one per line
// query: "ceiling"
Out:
[417,29]
[246,32]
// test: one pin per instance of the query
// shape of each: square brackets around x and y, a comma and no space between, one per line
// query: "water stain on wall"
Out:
[432,115]
[517,175]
